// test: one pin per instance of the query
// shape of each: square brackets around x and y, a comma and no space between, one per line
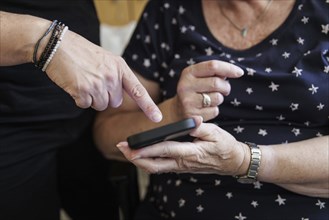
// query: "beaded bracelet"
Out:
[36,47]
[50,45]
[55,49]
[58,31]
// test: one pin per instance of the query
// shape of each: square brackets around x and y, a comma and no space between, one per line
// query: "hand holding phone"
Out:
[173,131]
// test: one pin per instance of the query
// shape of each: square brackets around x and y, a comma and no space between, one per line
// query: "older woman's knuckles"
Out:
[83,102]
[216,98]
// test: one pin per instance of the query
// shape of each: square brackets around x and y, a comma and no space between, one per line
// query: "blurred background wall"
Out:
[119,12]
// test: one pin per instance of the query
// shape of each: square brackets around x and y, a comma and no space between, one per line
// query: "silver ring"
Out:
[206,100]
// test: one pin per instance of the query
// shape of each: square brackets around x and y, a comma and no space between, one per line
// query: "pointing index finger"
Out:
[138,93]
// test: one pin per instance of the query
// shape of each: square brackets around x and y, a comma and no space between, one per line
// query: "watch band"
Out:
[255,159]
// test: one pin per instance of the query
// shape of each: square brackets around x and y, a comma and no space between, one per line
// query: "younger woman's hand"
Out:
[95,77]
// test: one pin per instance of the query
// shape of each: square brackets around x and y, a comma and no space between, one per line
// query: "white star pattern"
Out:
[172,73]
[190,61]
[134,57]
[199,191]
[250,72]
[320,204]
[300,41]
[297,72]
[257,185]
[209,51]
[172,214]
[240,217]
[193,180]
[274,42]
[183,29]
[235,102]
[259,108]
[249,90]
[147,63]
[181,203]
[166,5]
[199,208]
[262,132]
[296,131]
[164,65]
[313,89]
[319,134]
[286,55]
[273,86]
[229,195]
[325,28]
[147,39]
[178,182]
[326,69]
[294,106]
[217,182]
[305,19]
[280,200]
[238,129]
[280,118]
[177,56]
[254,204]
[268,70]
[320,106]
[307,53]
[181,10]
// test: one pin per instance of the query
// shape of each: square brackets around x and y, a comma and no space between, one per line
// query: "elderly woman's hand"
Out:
[202,87]
[213,151]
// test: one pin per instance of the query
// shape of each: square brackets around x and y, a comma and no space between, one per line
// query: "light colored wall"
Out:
[119,12]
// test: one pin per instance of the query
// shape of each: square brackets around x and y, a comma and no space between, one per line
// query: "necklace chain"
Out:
[244,30]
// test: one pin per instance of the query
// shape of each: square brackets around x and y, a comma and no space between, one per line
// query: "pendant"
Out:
[244,32]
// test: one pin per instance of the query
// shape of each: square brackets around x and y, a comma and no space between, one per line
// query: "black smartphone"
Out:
[176,131]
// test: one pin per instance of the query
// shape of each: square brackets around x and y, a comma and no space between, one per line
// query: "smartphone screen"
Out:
[176,131]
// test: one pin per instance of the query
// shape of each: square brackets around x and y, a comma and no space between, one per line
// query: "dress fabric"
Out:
[282,98]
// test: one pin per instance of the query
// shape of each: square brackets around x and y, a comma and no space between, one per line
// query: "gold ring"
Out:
[206,100]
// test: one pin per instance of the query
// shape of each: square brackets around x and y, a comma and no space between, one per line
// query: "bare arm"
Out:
[18,35]
[301,167]
[93,76]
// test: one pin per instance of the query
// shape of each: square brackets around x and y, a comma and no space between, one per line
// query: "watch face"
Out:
[246,180]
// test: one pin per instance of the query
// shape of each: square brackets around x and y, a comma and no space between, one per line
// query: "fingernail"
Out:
[157,117]
[239,71]
[119,145]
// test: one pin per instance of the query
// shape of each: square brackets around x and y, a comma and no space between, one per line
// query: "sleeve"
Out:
[152,43]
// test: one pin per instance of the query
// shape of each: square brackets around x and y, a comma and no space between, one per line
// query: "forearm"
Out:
[19,34]
[302,167]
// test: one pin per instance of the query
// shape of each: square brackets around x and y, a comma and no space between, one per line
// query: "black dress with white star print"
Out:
[282,98]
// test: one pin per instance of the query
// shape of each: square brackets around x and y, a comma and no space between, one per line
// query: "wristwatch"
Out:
[255,158]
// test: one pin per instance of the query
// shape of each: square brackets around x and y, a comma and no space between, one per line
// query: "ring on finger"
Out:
[206,100]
